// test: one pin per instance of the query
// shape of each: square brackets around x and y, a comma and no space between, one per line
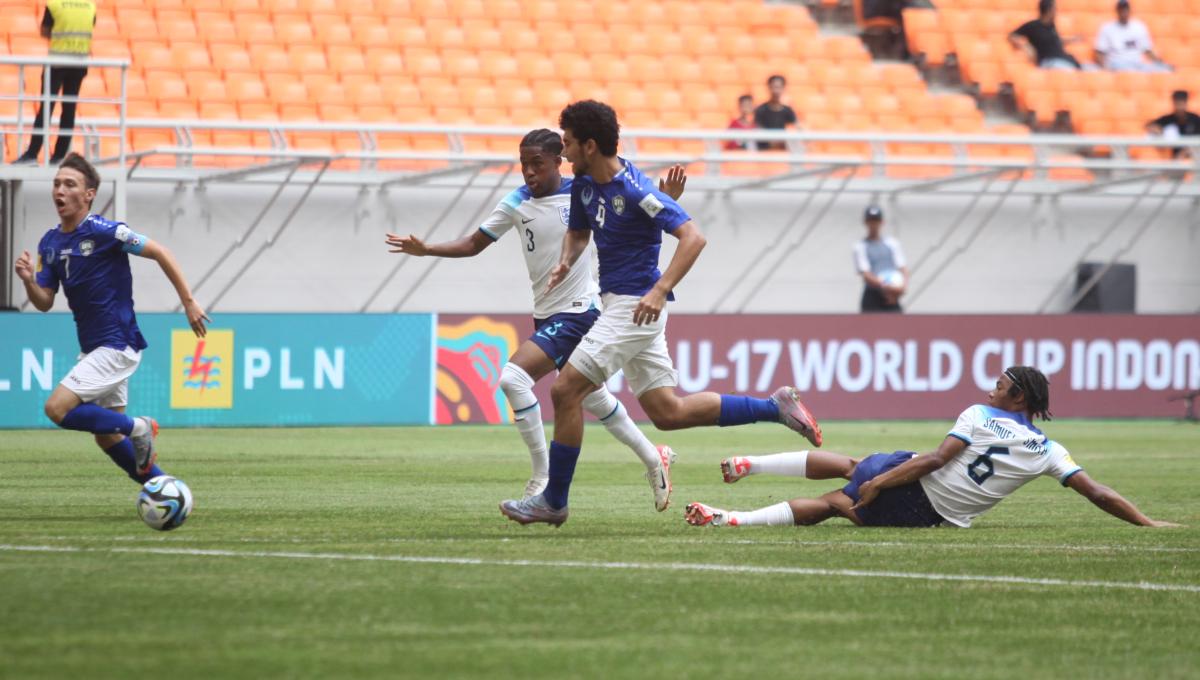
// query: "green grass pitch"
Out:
[300,561]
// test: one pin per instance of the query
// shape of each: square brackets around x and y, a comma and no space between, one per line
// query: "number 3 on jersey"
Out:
[982,467]
[529,235]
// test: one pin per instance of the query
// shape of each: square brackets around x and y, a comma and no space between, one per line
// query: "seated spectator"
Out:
[744,121]
[1176,124]
[1041,40]
[774,114]
[1124,44]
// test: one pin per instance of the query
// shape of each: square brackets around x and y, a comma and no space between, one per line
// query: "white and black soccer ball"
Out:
[165,502]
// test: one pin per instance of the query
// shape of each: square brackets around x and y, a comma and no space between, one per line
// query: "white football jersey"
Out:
[1004,451]
[540,224]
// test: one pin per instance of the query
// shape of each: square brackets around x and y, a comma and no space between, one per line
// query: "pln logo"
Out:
[202,369]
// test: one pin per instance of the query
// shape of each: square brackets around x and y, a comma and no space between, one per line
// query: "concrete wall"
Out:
[761,257]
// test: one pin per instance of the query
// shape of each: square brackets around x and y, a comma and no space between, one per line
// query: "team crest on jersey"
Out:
[586,195]
[619,203]
[564,214]
[86,247]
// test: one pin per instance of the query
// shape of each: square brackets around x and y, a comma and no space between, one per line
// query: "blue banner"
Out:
[251,369]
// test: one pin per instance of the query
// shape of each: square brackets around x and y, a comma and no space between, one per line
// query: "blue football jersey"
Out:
[627,217]
[92,264]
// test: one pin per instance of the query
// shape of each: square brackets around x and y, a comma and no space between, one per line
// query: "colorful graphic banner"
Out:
[250,369]
[901,366]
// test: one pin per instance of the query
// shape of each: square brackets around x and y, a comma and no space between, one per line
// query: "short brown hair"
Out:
[76,162]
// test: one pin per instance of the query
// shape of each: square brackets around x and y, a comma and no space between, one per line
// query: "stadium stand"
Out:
[669,64]
[1090,102]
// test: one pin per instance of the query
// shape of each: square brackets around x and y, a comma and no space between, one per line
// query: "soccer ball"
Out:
[165,502]
[892,278]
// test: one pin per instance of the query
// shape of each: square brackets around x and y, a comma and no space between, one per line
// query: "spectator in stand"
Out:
[1041,40]
[1124,44]
[68,25]
[744,121]
[880,262]
[1178,123]
[774,114]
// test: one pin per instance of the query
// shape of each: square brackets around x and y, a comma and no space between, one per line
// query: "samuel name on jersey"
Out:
[92,264]
[627,217]
[1004,452]
[540,223]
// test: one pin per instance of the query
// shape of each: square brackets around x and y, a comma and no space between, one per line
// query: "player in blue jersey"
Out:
[612,200]
[992,450]
[537,211]
[89,257]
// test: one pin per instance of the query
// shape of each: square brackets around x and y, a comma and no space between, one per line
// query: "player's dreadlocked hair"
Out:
[590,119]
[1033,384]
[546,140]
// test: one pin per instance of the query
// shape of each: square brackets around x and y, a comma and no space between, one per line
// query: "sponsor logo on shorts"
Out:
[202,369]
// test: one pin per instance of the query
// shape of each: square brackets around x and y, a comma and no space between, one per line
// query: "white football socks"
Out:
[791,464]
[612,413]
[778,515]
[527,416]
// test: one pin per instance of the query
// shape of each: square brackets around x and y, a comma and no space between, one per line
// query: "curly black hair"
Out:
[546,140]
[590,119]
[1033,384]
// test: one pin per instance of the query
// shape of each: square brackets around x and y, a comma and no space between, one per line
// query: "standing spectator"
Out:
[1041,39]
[880,262]
[1124,44]
[744,121]
[774,114]
[1178,123]
[68,25]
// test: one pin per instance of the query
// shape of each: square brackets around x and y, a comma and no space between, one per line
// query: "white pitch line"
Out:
[648,566]
[1060,547]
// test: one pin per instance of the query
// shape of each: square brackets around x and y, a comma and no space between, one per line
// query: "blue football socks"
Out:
[97,420]
[122,454]
[739,410]
[562,470]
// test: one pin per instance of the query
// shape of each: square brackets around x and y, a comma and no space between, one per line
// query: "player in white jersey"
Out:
[993,450]
[539,212]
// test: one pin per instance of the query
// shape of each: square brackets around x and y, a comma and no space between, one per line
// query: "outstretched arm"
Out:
[42,298]
[573,245]
[467,246]
[910,471]
[1111,502]
[195,313]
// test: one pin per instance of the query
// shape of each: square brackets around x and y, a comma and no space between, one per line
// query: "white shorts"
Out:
[102,376]
[614,343]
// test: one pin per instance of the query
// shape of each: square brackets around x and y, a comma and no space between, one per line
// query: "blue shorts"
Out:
[558,335]
[899,506]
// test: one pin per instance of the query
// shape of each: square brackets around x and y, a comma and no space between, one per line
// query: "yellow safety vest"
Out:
[73,23]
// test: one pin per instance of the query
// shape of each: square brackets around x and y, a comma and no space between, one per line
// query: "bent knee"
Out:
[55,412]
[667,420]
